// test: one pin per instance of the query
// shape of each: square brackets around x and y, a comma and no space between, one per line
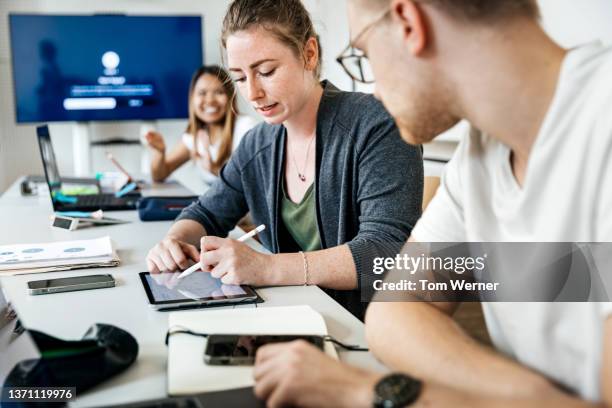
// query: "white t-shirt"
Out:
[242,125]
[566,197]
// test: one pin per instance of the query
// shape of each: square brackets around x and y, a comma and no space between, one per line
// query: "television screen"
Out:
[103,67]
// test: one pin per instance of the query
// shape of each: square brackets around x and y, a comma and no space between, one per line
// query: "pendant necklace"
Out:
[302,175]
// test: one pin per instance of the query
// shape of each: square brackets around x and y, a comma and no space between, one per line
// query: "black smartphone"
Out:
[239,349]
[42,287]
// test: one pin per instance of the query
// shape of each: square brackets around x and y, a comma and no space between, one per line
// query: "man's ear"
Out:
[410,16]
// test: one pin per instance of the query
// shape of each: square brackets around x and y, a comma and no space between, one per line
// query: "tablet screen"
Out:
[167,288]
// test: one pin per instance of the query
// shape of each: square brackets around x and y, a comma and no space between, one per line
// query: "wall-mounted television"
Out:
[103,67]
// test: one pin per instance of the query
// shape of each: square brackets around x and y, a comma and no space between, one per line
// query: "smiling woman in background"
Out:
[215,128]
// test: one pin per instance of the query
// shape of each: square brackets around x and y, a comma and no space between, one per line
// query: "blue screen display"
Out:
[106,67]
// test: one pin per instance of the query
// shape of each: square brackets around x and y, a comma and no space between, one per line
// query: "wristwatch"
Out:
[396,390]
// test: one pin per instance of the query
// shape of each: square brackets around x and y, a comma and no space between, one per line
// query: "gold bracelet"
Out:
[305,268]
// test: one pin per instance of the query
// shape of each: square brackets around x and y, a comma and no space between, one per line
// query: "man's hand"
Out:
[171,255]
[234,262]
[298,374]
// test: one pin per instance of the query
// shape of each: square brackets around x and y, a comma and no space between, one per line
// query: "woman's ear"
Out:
[311,54]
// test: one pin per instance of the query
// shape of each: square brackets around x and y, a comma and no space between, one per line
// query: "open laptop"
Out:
[89,202]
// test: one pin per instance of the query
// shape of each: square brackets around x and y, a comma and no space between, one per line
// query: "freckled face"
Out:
[268,74]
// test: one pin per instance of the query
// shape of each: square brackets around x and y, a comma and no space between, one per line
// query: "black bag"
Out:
[103,352]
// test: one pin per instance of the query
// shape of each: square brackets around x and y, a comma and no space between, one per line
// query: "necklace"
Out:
[302,175]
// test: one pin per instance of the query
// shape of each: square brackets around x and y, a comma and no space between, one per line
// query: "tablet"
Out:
[200,289]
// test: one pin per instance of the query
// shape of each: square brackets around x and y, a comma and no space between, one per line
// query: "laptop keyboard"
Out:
[100,199]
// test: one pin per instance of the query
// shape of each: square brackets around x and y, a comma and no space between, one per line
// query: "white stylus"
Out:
[243,238]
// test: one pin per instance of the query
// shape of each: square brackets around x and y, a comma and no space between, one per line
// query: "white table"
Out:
[69,315]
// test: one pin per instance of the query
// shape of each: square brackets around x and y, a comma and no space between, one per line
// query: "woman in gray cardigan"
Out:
[327,172]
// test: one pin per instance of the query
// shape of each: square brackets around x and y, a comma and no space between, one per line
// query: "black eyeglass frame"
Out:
[349,51]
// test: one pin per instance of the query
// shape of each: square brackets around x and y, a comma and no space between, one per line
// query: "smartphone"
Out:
[237,349]
[66,223]
[42,287]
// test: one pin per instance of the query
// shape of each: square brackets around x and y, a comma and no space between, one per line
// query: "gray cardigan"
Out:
[369,185]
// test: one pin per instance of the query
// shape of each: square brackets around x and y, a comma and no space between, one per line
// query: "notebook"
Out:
[57,256]
[187,372]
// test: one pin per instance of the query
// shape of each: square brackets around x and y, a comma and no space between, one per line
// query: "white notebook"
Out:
[187,372]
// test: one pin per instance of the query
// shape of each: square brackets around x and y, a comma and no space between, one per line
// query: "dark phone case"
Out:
[72,288]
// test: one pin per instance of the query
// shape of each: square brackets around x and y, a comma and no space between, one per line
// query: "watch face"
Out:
[397,390]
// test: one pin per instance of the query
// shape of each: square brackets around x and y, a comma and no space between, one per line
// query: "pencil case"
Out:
[162,208]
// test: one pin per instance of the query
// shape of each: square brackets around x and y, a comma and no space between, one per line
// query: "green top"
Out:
[301,219]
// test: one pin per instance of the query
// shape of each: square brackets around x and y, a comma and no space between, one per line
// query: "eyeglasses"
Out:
[354,62]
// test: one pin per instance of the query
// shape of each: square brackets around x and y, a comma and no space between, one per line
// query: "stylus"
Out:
[243,238]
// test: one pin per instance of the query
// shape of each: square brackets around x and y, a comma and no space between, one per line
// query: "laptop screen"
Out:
[48,159]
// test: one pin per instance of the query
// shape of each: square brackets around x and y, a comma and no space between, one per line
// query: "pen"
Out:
[243,238]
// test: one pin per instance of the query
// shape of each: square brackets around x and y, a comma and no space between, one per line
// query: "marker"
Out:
[127,189]
[243,238]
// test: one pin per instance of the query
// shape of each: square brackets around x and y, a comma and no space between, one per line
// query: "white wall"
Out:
[570,22]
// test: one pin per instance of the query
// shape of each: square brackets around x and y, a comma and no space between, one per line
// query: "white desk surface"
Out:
[69,315]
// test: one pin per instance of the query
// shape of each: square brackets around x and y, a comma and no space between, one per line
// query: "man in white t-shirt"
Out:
[536,167]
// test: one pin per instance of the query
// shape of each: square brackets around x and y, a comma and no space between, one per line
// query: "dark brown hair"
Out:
[288,20]
[195,124]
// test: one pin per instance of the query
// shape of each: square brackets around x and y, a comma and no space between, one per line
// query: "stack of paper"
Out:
[57,256]
[187,372]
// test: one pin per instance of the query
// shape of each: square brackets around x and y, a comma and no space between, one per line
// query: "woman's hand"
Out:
[156,141]
[235,263]
[171,255]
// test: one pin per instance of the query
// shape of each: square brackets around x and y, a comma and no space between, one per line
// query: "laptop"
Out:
[78,202]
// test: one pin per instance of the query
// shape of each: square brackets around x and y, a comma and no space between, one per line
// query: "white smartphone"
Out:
[45,286]
[67,223]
